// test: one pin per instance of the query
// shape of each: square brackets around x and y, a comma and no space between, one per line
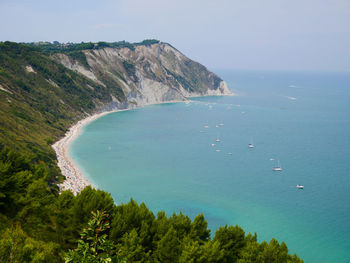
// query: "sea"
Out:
[194,157]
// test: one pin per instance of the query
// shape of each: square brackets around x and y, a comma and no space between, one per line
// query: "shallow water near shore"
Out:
[163,155]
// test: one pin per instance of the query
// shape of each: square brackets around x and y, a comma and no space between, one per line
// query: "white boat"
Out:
[217,139]
[229,153]
[251,145]
[278,167]
[299,186]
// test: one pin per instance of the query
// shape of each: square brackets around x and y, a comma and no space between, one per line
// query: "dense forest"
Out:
[39,224]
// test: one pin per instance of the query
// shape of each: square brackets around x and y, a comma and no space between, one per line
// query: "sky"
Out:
[221,34]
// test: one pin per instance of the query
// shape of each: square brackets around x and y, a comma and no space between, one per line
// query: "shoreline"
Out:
[75,180]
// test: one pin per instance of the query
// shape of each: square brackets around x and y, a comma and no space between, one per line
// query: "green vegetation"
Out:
[194,77]
[55,47]
[79,56]
[17,246]
[94,245]
[39,100]
[130,69]
[39,106]
[147,42]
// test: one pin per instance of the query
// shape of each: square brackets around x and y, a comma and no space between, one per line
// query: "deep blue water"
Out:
[162,155]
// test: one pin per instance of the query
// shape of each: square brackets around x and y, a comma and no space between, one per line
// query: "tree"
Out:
[90,200]
[94,245]
[17,246]
[132,248]
[193,252]
[232,241]
[199,229]
[62,216]
[274,252]
[130,216]
[168,248]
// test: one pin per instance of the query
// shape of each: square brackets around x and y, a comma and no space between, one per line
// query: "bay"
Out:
[163,155]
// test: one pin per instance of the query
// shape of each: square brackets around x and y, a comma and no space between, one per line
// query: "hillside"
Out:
[44,89]
[42,94]
[146,74]
[40,99]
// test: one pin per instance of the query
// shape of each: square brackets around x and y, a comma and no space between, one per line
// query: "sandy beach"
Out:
[75,180]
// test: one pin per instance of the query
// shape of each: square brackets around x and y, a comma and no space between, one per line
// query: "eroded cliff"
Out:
[145,74]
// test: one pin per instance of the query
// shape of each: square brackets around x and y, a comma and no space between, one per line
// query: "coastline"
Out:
[75,180]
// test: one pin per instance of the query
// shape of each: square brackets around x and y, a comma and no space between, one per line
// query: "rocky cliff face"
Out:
[146,74]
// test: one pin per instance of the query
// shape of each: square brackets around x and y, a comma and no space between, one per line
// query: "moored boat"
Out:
[251,144]
[278,167]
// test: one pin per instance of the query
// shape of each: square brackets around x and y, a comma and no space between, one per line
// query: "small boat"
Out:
[213,144]
[251,145]
[229,153]
[299,186]
[217,139]
[218,150]
[206,126]
[278,167]
[221,124]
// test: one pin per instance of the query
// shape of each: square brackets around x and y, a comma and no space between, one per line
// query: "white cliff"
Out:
[146,74]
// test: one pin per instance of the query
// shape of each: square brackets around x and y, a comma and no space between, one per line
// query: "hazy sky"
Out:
[232,34]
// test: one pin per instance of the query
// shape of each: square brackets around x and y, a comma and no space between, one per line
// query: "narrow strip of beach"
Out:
[75,179]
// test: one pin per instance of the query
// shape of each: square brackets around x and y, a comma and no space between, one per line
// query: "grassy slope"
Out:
[41,105]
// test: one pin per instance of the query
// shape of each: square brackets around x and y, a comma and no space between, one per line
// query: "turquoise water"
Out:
[162,155]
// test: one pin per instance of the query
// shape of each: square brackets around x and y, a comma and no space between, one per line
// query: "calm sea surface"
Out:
[163,155]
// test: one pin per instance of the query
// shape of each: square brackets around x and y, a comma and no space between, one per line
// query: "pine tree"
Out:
[94,245]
